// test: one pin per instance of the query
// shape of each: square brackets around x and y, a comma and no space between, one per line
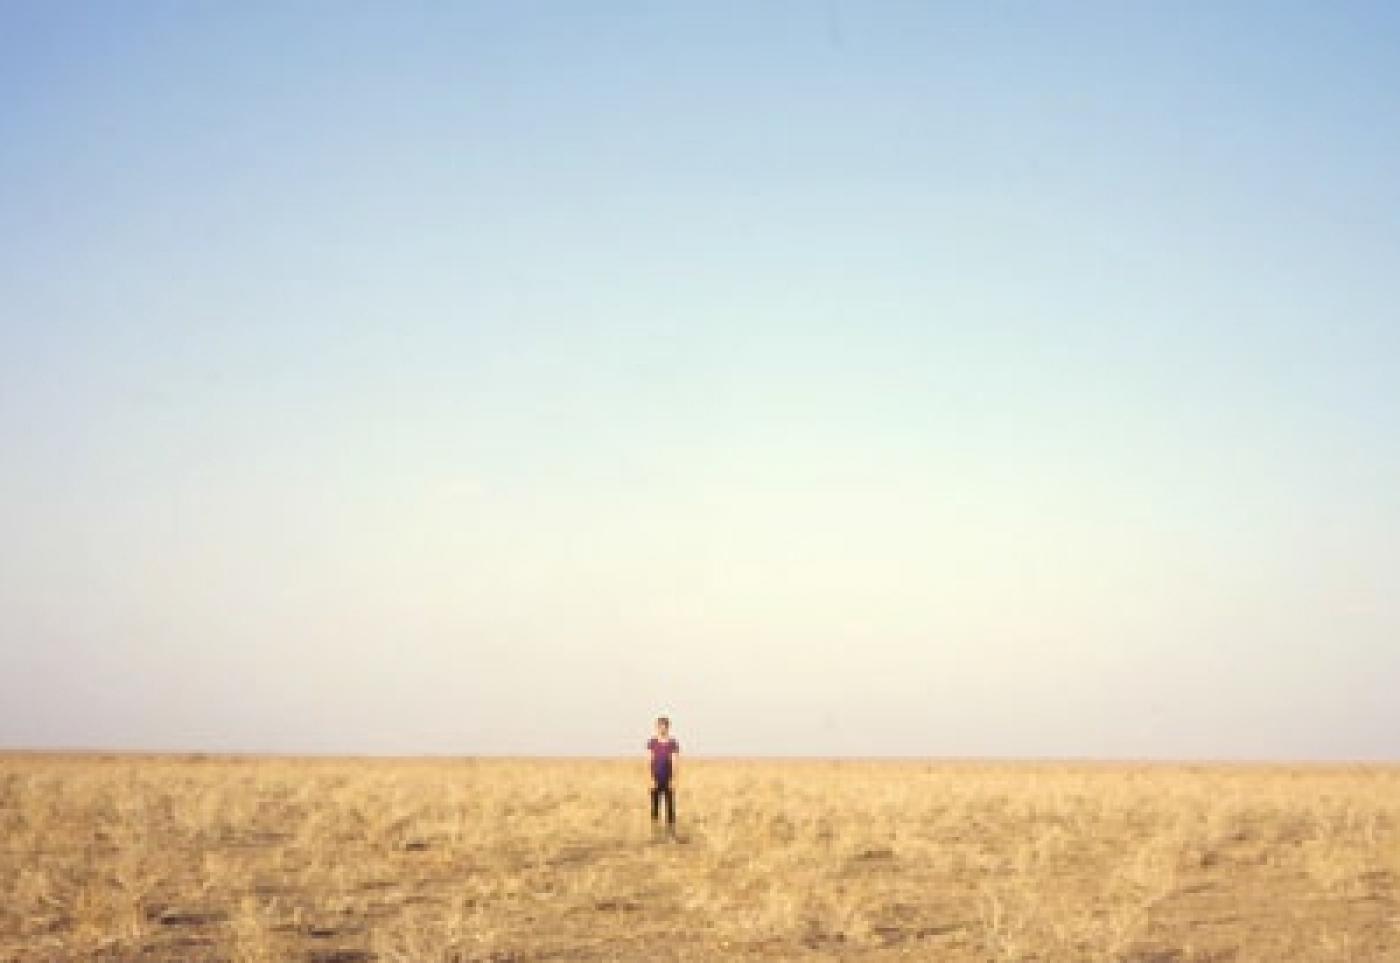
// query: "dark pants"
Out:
[658,791]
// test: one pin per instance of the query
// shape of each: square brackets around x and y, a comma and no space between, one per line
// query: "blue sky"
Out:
[981,379]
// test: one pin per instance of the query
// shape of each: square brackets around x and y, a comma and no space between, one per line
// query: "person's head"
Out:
[663,725]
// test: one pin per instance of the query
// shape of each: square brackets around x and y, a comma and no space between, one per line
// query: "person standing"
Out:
[663,749]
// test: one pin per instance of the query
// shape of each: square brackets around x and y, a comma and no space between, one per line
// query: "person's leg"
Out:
[670,808]
[655,802]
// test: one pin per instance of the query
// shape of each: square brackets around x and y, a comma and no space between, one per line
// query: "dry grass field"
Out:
[338,861]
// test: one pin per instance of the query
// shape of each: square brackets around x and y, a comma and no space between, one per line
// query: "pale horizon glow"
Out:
[850,380]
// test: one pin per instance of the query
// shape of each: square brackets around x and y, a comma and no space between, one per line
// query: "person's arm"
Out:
[675,766]
[651,772]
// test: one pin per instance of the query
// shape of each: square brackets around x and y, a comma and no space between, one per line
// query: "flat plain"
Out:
[357,860]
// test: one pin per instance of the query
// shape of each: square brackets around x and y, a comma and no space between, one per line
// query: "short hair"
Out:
[662,721]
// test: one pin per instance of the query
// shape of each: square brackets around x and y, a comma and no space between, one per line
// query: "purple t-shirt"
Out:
[661,753]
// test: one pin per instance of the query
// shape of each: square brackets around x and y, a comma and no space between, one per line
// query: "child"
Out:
[663,751]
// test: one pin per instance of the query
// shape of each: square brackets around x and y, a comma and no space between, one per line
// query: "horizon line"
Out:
[196,755]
